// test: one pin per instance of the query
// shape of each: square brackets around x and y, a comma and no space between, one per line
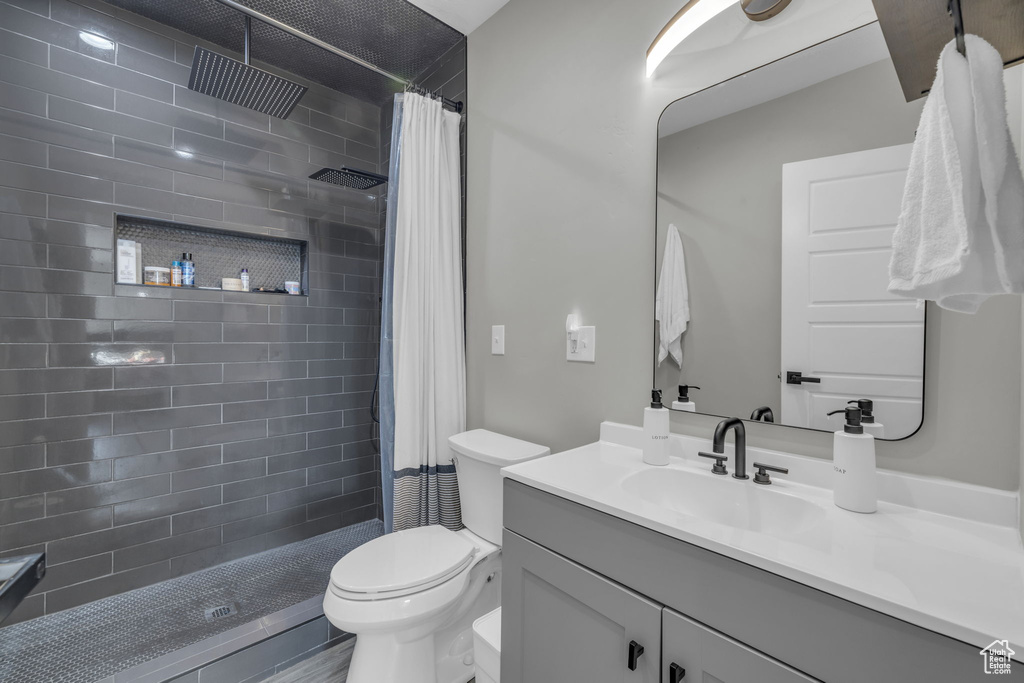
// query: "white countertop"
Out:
[954,575]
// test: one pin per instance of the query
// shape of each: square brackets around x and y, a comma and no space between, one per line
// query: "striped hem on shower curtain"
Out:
[427,495]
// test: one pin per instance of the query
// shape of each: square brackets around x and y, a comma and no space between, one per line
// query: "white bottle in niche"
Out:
[854,481]
[655,446]
[684,402]
[127,262]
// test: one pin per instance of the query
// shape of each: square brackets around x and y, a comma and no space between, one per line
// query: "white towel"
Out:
[960,237]
[672,304]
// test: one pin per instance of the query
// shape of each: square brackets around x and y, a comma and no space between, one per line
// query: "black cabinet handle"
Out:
[795,377]
[676,673]
[635,650]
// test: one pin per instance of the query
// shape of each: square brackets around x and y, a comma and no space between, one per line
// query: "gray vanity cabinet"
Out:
[694,653]
[573,626]
[580,584]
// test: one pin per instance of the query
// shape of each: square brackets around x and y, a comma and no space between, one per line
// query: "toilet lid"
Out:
[403,560]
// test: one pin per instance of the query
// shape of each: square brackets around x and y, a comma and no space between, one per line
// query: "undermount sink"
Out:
[724,500]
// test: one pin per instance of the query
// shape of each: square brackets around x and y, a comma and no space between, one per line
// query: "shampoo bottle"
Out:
[853,463]
[188,271]
[684,402]
[867,418]
[655,446]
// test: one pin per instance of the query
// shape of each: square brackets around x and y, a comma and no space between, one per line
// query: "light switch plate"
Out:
[497,340]
[585,346]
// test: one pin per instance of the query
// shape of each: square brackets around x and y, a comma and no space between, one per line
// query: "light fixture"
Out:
[762,10]
[695,14]
[691,17]
[96,41]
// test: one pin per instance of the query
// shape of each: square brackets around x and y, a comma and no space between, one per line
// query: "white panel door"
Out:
[839,324]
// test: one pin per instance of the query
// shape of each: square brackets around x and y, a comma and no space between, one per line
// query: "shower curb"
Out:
[205,652]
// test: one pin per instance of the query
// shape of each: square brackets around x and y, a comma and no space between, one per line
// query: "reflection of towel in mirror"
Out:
[672,304]
[960,237]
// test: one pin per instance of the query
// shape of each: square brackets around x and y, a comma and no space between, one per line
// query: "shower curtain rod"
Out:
[248,11]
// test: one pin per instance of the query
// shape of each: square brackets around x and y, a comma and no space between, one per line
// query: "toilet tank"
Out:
[479,456]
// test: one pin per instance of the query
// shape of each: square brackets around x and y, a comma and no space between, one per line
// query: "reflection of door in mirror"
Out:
[822,118]
[838,320]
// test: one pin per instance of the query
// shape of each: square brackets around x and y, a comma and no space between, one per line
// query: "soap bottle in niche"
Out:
[655,447]
[245,279]
[854,485]
[684,402]
[867,418]
[188,271]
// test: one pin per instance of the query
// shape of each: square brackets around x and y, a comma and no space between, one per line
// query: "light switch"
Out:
[586,346]
[497,340]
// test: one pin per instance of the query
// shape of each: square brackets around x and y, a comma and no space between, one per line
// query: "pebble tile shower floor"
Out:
[101,638]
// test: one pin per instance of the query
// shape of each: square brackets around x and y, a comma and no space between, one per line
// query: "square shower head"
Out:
[349,177]
[230,80]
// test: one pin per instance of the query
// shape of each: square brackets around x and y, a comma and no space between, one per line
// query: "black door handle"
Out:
[798,378]
[676,673]
[635,650]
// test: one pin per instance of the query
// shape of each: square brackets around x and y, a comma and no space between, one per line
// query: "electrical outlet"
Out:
[497,340]
[586,346]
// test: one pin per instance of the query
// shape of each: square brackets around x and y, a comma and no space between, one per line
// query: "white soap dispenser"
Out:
[867,418]
[854,483]
[655,446]
[684,402]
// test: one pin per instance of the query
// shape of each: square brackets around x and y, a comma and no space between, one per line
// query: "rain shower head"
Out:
[349,177]
[230,80]
[239,83]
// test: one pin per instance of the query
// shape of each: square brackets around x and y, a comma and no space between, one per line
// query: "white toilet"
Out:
[411,597]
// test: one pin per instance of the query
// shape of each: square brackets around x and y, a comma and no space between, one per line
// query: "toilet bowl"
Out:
[412,596]
[396,614]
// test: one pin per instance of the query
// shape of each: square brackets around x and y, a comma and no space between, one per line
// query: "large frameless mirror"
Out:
[784,188]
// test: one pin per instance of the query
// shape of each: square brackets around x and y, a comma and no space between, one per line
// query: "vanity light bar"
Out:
[691,17]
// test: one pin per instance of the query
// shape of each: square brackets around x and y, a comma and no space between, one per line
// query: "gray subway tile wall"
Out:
[149,433]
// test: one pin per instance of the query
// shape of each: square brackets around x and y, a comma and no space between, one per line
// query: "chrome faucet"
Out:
[718,446]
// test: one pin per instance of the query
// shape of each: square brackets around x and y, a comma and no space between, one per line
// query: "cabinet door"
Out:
[564,623]
[707,656]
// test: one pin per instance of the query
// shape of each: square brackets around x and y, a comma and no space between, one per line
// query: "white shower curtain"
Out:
[429,349]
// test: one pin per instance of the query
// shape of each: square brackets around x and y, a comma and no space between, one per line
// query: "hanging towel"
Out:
[672,303]
[960,237]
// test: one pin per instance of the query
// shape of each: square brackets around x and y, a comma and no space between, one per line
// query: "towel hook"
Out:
[958,26]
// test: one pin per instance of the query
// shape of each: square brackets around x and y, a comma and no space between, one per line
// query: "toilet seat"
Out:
[401,564]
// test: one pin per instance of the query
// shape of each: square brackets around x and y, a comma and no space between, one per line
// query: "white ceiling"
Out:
[462,15]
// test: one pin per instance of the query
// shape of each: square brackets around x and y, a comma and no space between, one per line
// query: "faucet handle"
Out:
[762,476]
[719,458]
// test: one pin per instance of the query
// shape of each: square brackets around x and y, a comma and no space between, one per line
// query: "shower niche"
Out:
[217,254]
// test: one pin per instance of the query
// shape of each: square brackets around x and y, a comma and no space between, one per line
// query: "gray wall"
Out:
[561,216]
[255,432]
[720,183]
